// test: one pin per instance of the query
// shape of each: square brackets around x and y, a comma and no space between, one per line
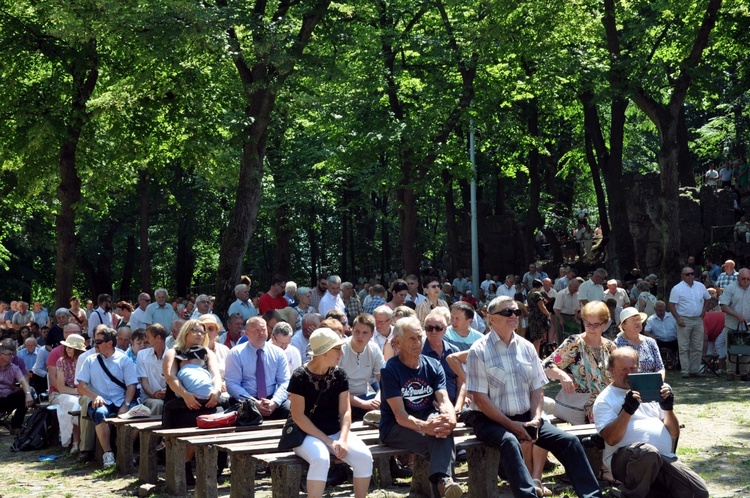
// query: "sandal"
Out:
[541,490]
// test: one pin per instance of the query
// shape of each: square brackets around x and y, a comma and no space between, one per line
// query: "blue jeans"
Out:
[566,448]
[104,411]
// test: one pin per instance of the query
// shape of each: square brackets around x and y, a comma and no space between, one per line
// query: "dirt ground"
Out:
[715,442]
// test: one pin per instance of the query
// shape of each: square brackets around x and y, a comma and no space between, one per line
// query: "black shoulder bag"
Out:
[111,377]
[291,435]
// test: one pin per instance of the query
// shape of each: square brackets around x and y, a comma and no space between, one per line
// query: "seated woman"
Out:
[319,394]
[580,364]
[184,400]
[68,400]
[631,323]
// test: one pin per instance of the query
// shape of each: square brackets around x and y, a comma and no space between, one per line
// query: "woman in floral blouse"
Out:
[580,364]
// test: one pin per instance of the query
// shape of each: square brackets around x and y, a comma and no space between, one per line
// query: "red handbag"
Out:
[225,419]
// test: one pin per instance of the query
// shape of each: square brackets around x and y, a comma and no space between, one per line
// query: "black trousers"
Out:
[14,401]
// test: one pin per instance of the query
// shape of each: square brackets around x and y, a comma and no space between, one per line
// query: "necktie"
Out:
[260,375]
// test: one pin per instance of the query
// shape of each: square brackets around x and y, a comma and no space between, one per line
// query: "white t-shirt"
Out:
[645,426]
[361,367]
[590,291]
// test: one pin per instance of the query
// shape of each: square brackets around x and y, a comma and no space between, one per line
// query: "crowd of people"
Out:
[424,352]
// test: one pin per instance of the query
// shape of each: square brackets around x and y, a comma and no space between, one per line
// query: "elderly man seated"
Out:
[12,398]
[638,436]
[417,414]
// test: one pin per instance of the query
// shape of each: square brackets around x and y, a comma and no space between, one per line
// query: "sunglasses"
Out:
[508,312]
[688,274]
[98,341]
[434,328]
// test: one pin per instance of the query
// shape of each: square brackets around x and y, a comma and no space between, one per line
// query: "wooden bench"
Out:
[126,431]
[175,450]
[286,481]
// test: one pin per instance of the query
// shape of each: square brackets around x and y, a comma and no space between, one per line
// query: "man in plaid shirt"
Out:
[728,276]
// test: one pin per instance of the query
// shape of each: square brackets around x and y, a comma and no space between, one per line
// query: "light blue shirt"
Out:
[119,365]
[196,380]
[462,343]
[164,315]
[664,329]
[239,372]
[28,358]
[247,310]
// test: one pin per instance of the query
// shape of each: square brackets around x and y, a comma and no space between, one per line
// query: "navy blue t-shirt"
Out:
[415,387]
[450,375]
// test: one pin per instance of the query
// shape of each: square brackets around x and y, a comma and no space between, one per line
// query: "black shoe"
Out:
[86,456]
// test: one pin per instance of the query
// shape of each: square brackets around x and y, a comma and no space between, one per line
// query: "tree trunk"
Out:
[451,225]
[185,259]
[144,252]
[260,84]
[84,70]
[283,237]
[407,216]
[531,111]
[128,268]
[620,249]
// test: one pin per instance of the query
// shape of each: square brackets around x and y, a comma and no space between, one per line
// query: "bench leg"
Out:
[285,480]
[421,487]
[176,485]
[381,475]
[147,463]
[483,463]
[242,478]
[205,471]
[124,460]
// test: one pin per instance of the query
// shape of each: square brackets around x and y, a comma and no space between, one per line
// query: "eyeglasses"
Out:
[433,286]
[434,328]
[337,348]
[198,331]
[8,354]
[508,312]
[204,302]
[593,325]
[212,328]
[98,341]
[688,274]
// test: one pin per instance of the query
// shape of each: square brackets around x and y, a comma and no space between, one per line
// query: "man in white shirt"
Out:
[638,436]
[281,336]
[688,302]
[413,295]
[301,338]
[508,288]
[101,315]
[148,365]
[332,298]
[485,285]
[567,309]
[591,290]
[617,293]
[383,325]
[136,318]
[362,361]
[160,311]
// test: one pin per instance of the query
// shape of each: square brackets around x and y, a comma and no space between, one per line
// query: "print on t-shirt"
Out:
[416,394]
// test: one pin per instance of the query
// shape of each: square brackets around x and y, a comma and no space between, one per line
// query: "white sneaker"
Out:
[109,459]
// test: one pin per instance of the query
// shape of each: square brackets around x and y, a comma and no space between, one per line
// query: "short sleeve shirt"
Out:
[361,367]
[416,387]
[329,386]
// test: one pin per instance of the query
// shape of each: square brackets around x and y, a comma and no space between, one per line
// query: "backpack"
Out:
[34,433]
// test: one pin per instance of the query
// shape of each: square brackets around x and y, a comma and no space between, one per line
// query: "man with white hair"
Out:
[591,290]
[290,291]
[301,338]
[332,299]
[23,316]
[383,326]
[617,293]
[242,305]
[160,311]
[202,306]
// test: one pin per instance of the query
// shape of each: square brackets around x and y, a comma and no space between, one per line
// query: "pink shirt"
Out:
[54,355]
[8,379]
